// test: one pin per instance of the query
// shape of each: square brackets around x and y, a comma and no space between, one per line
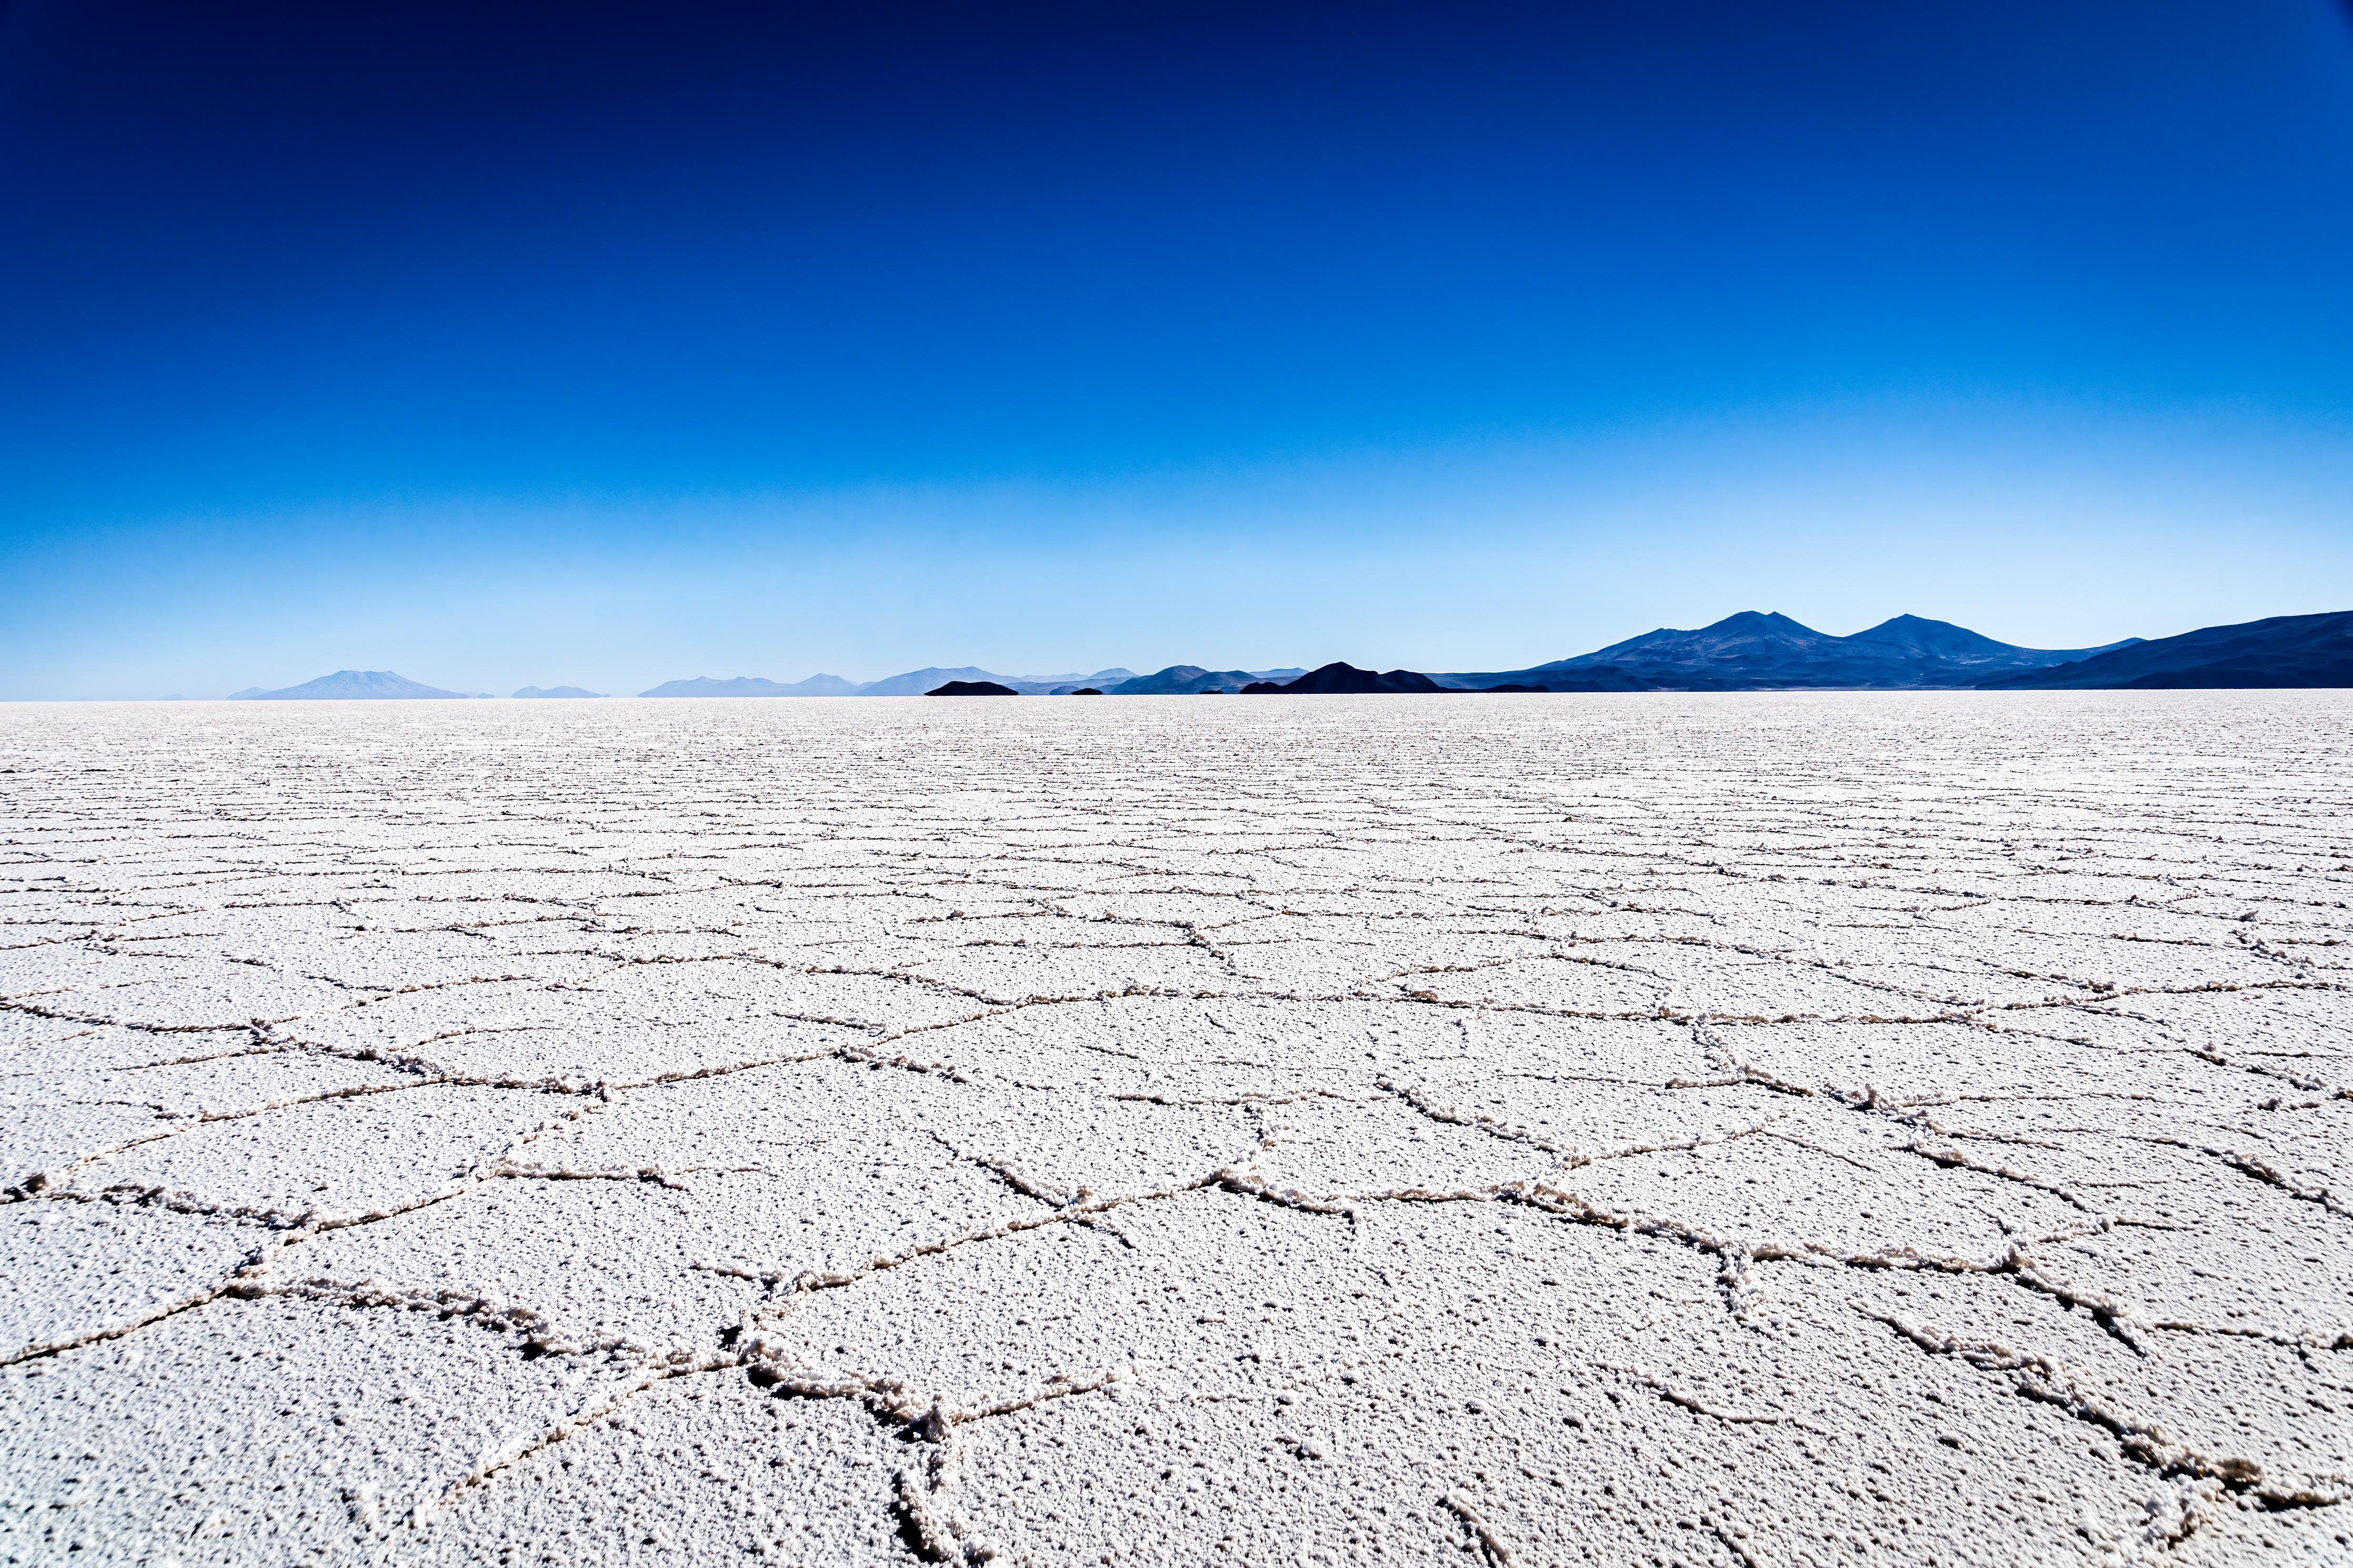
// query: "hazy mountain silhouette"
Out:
[557,691]
[2282,651]
[913,683]
[1754,651]
[1181,679]
[919,683]
[1064,685]
[1751,651]
[753,685]
[1341,679]
[347,685]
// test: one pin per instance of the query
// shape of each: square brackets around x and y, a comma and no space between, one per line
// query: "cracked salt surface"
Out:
[1746,1129]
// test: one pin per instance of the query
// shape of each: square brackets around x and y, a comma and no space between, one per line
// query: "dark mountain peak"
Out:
[1340,679]
[1748,635]
[1765,622]
[972,689]
[1767,650]
[1181,680]
[1938,639]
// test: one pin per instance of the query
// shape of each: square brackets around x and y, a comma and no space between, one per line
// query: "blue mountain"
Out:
[2282,651]
[347,685]
[1758,650]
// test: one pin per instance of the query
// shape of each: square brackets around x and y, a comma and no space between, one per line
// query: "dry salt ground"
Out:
[1747,1130]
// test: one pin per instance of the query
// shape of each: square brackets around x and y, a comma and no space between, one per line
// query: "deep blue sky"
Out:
[605,344]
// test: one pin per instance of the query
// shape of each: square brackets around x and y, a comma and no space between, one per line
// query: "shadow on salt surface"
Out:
[1385,1145]
[74,1269]
[773,1173]
[417,1023]
[2197,1238]
[743,989]
[1205,1292]
[373,941]
[1007,937]
[1008,974]
[1328,954]
[339,1158]
[1432,1044]
[1932,1062]
[2306,1033]
[2203,1407]
[1990,957]
[595,1264]
[62,976]
[1186,1049]
[249,1078]
[375,1413]
[1578,983]
[42,1133]
[77,1112]
[33,1044]
[697,1469]
[160,991]
[1478,1367]
[831,1124]
[1582,1118]
[1764,1189]
[1698,979]
[1175,907]
[2296,1145]
[580,1035]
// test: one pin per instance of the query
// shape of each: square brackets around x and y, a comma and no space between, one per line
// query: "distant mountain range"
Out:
[1751,651]
[345,685]
[2285,650]
[752,686]
[1186,679]
[914,683]
[1342,679]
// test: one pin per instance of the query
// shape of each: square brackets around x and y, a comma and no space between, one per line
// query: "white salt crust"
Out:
[1757,1129]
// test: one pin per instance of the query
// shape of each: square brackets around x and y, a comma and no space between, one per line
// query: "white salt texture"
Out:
[1751,1130]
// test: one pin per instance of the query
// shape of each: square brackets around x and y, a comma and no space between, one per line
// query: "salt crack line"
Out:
[2147,1443]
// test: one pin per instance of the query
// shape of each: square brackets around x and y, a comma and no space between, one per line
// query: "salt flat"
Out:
[1749,1130]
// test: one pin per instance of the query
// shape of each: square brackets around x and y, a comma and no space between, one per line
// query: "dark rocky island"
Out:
[1182,680]
[972,689]
[1340,679]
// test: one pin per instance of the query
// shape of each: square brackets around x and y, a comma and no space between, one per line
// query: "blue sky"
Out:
[607,344]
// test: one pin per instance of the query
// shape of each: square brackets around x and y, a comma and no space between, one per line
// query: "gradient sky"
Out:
[610,344]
